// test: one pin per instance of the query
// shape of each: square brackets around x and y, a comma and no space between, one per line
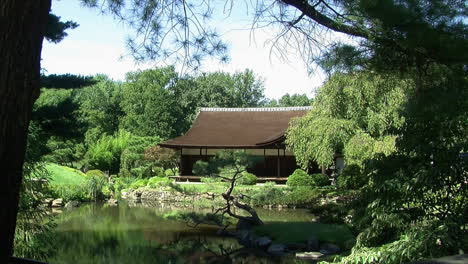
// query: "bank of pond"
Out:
[138,233]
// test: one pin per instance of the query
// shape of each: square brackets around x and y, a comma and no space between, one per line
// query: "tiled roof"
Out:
[237,127]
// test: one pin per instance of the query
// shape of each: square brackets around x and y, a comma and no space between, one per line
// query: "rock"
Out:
[309,255]
[48,202]
[276,249]
[57,203]
[329,249]
[72,204]
[112,201]
[263,242]
[313,244]
[124,195]
[244,237]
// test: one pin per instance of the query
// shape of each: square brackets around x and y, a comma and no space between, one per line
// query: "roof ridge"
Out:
[254,109]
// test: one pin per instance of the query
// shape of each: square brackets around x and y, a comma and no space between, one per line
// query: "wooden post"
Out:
[181,164]
[279,166]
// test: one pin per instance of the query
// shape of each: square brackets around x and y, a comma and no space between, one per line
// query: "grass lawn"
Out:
[62,175]
[297,232]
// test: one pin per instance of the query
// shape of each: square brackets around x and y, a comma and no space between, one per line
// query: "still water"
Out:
[98,233]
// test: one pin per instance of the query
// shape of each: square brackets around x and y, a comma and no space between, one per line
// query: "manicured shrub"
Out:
[97,173]
[352,178]
[300,178]
[155,182]
[139,183]
[320,179]
[247,179]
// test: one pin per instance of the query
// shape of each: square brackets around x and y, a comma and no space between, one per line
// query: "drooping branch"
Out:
[312,13]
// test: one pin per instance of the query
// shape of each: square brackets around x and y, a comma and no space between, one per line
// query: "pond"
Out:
[98,233]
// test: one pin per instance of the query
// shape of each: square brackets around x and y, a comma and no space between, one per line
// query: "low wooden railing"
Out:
[198,178]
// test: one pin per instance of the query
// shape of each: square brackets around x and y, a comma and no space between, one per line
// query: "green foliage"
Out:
[94,187]
[150,109]
[301,196]
[138,183]
[290,100]
[320,179]
[95,173]
[247,179]
[172,172]
[164,157]
[121,183]
[352,178]
[100,108]
[300,178]
[350,112]
[105,153]
[155,182]
[201,168]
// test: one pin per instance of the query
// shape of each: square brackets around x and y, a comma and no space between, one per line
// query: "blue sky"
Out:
[98,46]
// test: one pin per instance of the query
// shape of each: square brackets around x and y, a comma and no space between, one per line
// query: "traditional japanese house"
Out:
[258,131]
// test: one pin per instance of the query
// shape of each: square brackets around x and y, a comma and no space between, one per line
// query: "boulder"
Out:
[313,244]
[72,204]
[48,202]
[57,203]
[276,249]
[329,249]
[263,242]
[112,201]
[309,255]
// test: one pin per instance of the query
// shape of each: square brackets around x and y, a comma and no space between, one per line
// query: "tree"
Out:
[290,100]
[164,157]
[149,107]
[22,31]
[350,109]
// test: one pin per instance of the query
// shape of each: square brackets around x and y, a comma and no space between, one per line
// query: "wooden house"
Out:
[258,131]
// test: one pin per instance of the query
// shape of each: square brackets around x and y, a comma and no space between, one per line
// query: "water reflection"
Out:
[97,233]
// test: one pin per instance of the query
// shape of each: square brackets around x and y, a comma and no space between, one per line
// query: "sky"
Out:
[97,46]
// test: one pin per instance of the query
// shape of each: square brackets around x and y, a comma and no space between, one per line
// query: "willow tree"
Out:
[393,35]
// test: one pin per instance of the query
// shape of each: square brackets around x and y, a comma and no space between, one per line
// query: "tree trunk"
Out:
[22,25]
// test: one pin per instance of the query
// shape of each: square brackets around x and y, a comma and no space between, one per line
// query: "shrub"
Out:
[97,173]
[247,179]
[155,182]
[352,178]
[172,172]
[94,187]
[141,172]
[201,168]
[121,183]
[158,172]
[300,178]
[320,179]
[138,184]
[302,195]
[70,192]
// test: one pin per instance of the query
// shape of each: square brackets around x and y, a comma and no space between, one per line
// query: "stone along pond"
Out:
[99,233]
